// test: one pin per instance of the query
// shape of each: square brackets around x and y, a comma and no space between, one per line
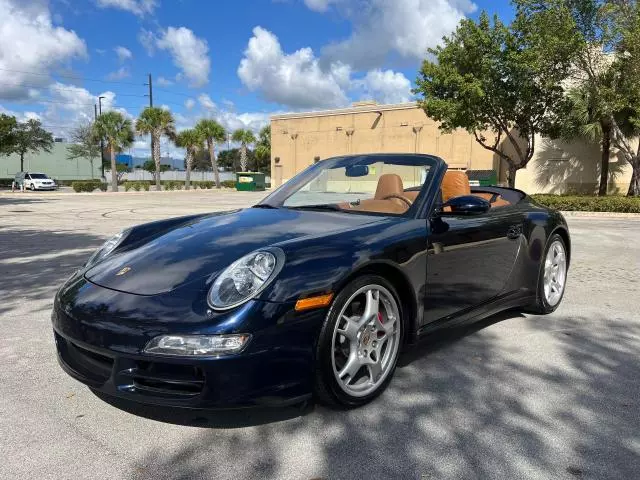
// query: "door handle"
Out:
[514,232]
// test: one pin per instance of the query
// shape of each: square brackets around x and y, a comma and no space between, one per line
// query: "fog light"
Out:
[197,345]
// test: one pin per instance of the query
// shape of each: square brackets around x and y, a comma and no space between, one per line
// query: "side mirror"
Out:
[465,205]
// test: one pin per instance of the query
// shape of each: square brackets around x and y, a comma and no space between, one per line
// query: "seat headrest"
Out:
[455,184]
[389,184]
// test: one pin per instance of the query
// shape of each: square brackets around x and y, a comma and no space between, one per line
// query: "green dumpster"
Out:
[482,178]
[250,181]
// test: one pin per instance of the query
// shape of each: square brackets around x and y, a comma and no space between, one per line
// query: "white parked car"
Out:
[35,181]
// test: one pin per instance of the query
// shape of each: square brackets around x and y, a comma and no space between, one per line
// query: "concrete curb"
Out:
[596,215]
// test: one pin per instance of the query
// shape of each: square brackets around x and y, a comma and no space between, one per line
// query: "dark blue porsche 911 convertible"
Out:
[314,291]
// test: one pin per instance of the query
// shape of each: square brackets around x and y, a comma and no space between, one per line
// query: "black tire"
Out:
[541,306]
[33,187]
[326,388]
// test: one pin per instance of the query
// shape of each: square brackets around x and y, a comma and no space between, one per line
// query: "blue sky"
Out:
[237,61]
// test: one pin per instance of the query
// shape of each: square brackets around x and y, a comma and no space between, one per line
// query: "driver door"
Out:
[469,259]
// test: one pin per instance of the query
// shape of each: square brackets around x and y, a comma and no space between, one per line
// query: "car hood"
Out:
[192,252]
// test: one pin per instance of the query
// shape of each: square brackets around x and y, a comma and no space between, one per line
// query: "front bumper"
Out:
[220,383]
[44,187]
[276,368]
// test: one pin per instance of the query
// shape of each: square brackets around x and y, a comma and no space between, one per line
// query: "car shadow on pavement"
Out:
[12,201]
[35,263]
[469,406]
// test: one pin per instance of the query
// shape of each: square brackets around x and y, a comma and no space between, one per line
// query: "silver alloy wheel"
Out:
[555,273]
[366,340]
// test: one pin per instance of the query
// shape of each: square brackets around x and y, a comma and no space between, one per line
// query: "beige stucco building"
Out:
[300,139]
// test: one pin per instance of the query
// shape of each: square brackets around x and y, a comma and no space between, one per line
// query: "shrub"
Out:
[228,183]
[88,185]
[582,203]
[206,184]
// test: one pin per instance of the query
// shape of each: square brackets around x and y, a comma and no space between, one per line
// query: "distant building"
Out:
[55,164]
[300,139]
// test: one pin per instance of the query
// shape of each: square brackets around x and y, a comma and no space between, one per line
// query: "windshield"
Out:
[38,176]
[387,184]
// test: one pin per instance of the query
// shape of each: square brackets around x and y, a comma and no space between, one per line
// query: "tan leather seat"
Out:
[388,184]
[412,195]
[455,184]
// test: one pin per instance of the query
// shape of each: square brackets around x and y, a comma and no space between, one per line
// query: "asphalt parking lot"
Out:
[519,396]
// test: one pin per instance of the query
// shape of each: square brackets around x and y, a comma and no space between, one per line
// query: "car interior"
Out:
[392,198]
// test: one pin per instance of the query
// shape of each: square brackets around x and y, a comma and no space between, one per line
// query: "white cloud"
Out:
[319,5]
[383,29]
[29,42]
[190,53]
[137,7]
[384,86]
[295,79]
[164,82]
[122,72]
[147,40]
[206,102]
[123,53]
[189,103]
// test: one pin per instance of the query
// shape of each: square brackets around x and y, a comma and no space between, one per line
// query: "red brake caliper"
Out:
[380,318]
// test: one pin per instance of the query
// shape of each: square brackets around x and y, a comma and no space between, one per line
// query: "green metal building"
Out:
[55,164]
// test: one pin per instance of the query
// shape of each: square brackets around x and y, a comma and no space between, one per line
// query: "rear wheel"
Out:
[359,343]
[553,277]
[33,187]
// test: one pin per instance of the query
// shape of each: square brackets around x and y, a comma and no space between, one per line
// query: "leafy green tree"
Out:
[245,138]
[117,132]
[156,122]
[212,132]
[121,169]
[592,44]
[487,79]
[230,159]
[191,141]
[201,162]
[8,125]
[86,144]
[150,166]
[29,136]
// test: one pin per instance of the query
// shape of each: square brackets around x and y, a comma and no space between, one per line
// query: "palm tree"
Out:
[212,132]
[156,122]
[244,137]
[191,141]
[591,117]
[263,145]
[117,132]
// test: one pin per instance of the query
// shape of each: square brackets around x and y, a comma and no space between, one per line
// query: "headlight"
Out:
[106,248]
[245,278]
[190,345]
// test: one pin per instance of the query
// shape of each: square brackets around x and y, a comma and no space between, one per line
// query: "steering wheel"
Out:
[399,197]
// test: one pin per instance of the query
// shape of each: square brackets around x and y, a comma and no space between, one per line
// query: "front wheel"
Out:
[359,343]
[33,187]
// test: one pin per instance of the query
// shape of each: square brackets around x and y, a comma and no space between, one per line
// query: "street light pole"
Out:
[101,140]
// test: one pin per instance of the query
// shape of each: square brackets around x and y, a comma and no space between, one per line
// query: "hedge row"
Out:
[136,185]
[88,186]
[581,203]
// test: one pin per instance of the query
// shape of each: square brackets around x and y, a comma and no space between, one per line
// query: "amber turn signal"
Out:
[314,302]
